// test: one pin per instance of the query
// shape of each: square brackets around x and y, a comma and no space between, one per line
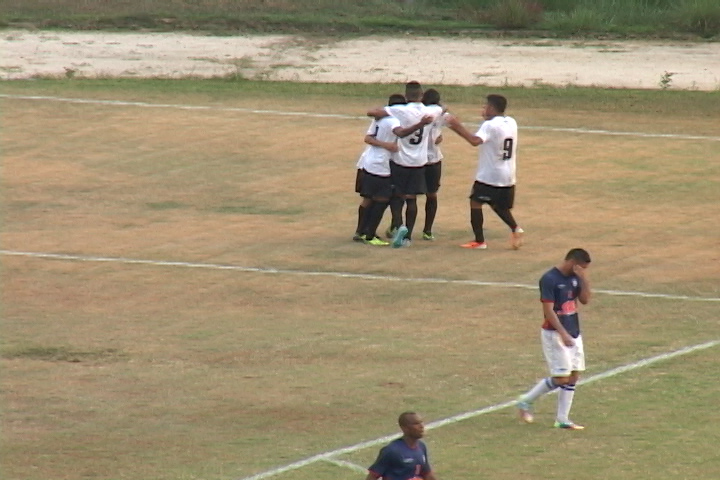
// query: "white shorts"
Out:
[562,360]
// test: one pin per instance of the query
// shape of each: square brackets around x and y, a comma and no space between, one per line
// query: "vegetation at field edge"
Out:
[559,18]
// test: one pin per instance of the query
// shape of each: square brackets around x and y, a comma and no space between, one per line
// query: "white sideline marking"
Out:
[345,464]
[463,416]
[123,103]
[310,273]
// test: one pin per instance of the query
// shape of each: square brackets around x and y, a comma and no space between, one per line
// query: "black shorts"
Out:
[358,179]
[408,180]
[433,171]
[498,197]
[375,186]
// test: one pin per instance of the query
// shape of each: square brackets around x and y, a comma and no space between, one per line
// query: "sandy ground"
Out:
[632,64]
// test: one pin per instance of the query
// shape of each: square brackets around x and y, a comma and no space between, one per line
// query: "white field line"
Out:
[311,273]
[464,416]
[345,464]
[123,103]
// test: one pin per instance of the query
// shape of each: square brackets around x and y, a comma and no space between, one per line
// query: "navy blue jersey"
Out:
[397,461]
[562,292]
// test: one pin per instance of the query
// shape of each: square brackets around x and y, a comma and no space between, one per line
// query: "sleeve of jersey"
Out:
[546,290]
[484,131]
[379,468]
[394,123]
[399,112]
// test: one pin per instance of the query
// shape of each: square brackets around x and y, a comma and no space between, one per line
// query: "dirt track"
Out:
[24,54]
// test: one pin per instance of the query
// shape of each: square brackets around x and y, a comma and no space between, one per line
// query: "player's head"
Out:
[411,425]
[494,105]
[578,256]
[431,97]
[396,99]
[413,91]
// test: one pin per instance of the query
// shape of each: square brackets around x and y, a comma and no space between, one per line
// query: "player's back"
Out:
[413,149]
[376,160]
[498,155]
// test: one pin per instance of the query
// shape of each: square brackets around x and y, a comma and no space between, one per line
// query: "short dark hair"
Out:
[413,91]
[579,255]
[498,102]
[431,97]
[397,99]
[403,418]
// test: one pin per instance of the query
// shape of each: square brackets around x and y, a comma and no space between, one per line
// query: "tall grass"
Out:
[699,16]
[559,17]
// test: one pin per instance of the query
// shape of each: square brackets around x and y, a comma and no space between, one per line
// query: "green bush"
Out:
[699,16]
[515,14]
[580,20]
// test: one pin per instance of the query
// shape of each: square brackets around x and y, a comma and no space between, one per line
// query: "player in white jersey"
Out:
[495,177]
[433,168]
[407,165]
[376,182]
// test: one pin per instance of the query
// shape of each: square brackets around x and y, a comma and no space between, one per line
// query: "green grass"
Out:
[688,18]
[629,101]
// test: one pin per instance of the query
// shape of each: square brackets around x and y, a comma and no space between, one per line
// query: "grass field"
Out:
[210,318]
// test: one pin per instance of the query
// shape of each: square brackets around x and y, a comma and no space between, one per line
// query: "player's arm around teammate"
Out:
[401,132]
[389,146]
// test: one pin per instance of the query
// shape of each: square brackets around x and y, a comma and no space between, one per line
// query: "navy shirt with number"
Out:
[562,291]
[397,461]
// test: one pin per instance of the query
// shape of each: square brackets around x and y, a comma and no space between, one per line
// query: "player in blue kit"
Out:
[405,458]
[561,288]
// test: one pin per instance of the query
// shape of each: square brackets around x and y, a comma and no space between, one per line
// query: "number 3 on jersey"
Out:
[507,149]
[417,136]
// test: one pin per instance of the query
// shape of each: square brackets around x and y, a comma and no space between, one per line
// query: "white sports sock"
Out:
[544,386]
[565,399]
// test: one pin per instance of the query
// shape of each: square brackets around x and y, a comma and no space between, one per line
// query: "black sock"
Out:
[361,214]
[396,205]
[476,220]
[507,217]
[374,214]
[365,218]
[411,212]
[431,205]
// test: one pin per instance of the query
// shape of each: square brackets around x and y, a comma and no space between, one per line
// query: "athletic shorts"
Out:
[375,186]
[497,197]
[562,360]
[358,179]
[407,180]
[433,171]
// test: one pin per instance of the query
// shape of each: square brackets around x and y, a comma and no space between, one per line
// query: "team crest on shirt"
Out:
[574,282]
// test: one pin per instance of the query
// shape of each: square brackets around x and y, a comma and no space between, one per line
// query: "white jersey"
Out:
[413,149]
[498,153]
[434,153]
[376,160]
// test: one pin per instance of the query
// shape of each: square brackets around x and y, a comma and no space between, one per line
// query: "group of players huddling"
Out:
[403,160]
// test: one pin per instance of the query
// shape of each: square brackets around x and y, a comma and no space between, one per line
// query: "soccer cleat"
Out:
[525,412]
[390,232]
[428,236]
[516,238]
[568,426]
[407,242]
[474,244]
[377,242]
[358,238]
[400,235]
